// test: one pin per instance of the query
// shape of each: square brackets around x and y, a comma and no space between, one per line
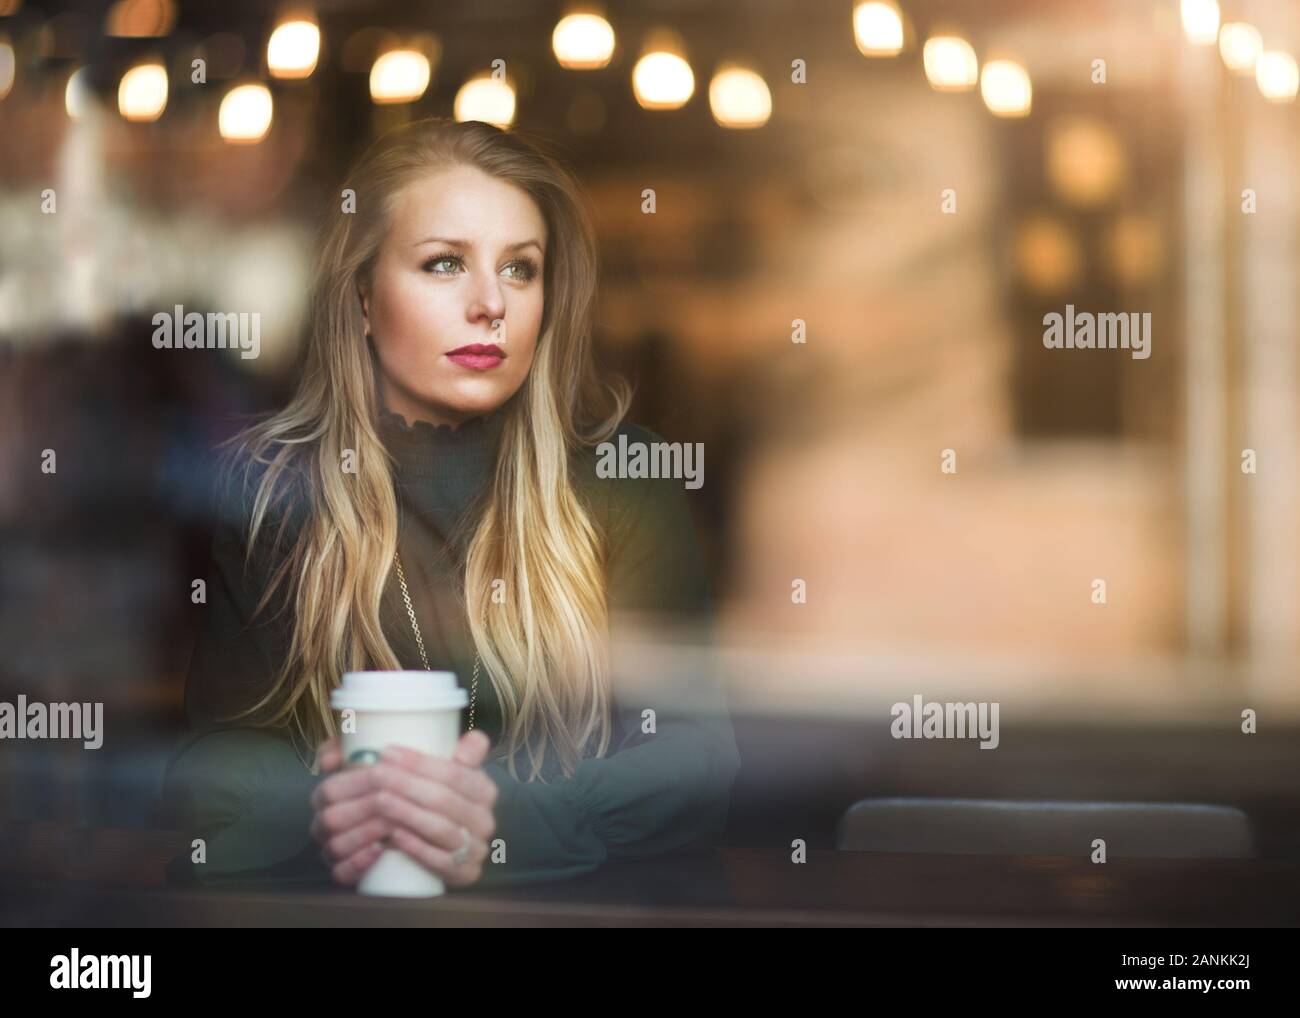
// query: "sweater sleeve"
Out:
[239,787]
[235,656]
[666,782]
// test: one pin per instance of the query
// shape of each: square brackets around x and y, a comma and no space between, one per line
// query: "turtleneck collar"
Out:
[428,450]
[442,471]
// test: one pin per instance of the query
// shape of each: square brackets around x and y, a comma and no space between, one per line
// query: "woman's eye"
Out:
[527,269]
[447,265]
[432,264]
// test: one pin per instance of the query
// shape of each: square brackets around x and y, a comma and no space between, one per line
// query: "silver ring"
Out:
[462,853]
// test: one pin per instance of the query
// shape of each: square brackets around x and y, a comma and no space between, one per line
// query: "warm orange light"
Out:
[142,93]
[485,98]
[739,97]
[399,76]
[245,114]
[583,41]
[950,63]
[293,49]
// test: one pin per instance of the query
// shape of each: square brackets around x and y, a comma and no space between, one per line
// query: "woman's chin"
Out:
[471,399]
[469,395]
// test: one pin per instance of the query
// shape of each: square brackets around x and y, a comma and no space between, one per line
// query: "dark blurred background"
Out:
[919,215]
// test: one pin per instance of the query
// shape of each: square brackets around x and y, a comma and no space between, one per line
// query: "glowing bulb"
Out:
[140,19]
[950,63]
[293,49]
[1086,162]
[245,114]
[486,98]
[662,81]
[76,96]
[739,97]
[7,67]
[1240,46]
[583,41]
[1006,89]
[1277,76]
[878,29]
[142,94]
[399,76]
[1201,21]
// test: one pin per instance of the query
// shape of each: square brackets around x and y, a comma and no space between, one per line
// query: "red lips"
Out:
[488,349]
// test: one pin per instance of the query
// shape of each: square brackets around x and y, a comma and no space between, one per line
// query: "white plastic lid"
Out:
[398,691]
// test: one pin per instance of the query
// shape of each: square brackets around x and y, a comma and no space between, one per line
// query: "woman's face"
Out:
[461,266]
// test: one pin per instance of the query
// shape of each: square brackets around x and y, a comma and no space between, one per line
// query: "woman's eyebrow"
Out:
[469,244]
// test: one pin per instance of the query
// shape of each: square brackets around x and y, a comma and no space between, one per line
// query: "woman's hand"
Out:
[429,800]
[408,800]
[347,824]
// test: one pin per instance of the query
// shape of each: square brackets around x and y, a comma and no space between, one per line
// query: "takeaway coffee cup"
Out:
[419,710]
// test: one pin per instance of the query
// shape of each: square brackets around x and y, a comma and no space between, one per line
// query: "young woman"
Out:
[429,499]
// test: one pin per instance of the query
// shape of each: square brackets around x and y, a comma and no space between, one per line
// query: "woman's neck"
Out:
[413,412]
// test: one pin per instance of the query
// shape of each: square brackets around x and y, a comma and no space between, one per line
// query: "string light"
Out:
[878,28]
[583,41]
[739,97]
[1201,21]
[662,79]
[1240,46]
[950,63]
[485,98]
[140,19]
[245,114]
[142,93]
[8,65]
[1005,88]
[399,76]
[293,49]
[76,95]
[1277,76]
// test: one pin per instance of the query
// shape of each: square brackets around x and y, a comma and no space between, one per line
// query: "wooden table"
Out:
[56,876]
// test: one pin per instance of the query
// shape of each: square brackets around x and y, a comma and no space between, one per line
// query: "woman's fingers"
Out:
[432,795]
[439,860]
[472,749]
[353,840]
[466,780]
[351,869]
[410,800]
[350,798]
[350,848]
[434,826]
[343,786]
[343,816]
[329,754]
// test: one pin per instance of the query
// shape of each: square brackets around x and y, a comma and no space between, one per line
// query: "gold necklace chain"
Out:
[419,639]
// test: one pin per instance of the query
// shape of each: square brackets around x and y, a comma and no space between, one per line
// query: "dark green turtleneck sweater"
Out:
[245,790]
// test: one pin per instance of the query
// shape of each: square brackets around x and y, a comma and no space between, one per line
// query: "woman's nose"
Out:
[488,301]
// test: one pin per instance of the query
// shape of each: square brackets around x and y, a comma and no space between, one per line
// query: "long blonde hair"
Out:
[545,648]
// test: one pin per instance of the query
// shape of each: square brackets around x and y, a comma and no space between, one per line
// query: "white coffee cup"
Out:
[419,710]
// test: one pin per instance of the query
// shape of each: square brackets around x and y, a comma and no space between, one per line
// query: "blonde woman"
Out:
[429,499]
